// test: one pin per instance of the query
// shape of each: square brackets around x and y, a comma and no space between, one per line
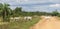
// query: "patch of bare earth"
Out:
[47,23]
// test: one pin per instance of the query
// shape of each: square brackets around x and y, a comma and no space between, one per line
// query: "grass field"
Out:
[21,24]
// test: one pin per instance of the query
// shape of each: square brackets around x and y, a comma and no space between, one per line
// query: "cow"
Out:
[14,19]
[27,18]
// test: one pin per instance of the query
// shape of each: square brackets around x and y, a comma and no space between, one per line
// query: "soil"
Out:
[46,22]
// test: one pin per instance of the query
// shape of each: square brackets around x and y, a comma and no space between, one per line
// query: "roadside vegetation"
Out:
[6,12]
[23,24]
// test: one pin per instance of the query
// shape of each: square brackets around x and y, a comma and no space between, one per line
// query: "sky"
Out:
[34,5]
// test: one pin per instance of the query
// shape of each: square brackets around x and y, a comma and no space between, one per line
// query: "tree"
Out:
[5,11]
[55,13]
[0,9]
[17,11]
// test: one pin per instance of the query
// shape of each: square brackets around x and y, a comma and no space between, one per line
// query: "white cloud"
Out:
[54,5]
[35,8]
[25,0]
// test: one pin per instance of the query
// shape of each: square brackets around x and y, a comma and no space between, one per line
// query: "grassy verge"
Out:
[23,24]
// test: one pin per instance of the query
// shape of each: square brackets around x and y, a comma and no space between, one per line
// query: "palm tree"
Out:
[5,11]
[1,9]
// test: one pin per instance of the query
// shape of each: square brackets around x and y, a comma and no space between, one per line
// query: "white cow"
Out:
[15,18]
[47,18]
[27,18]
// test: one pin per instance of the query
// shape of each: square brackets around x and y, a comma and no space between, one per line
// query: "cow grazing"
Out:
[27,18]
[14,19]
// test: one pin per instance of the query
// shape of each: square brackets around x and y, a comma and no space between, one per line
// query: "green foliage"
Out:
[55,13]
[17,11]
[5,11]
[58,15]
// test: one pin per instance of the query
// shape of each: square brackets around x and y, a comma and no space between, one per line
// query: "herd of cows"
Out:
[18,18]
[27,18]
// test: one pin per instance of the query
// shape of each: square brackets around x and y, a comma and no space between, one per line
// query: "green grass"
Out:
[23,24]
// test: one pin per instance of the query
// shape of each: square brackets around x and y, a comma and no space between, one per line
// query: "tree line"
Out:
[6,12]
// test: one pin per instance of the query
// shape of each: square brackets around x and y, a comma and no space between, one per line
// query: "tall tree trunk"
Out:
[4,15]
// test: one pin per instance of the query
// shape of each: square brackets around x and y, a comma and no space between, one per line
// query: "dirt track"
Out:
[47,23]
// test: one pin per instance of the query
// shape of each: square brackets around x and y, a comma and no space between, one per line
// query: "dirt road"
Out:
[47,23]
